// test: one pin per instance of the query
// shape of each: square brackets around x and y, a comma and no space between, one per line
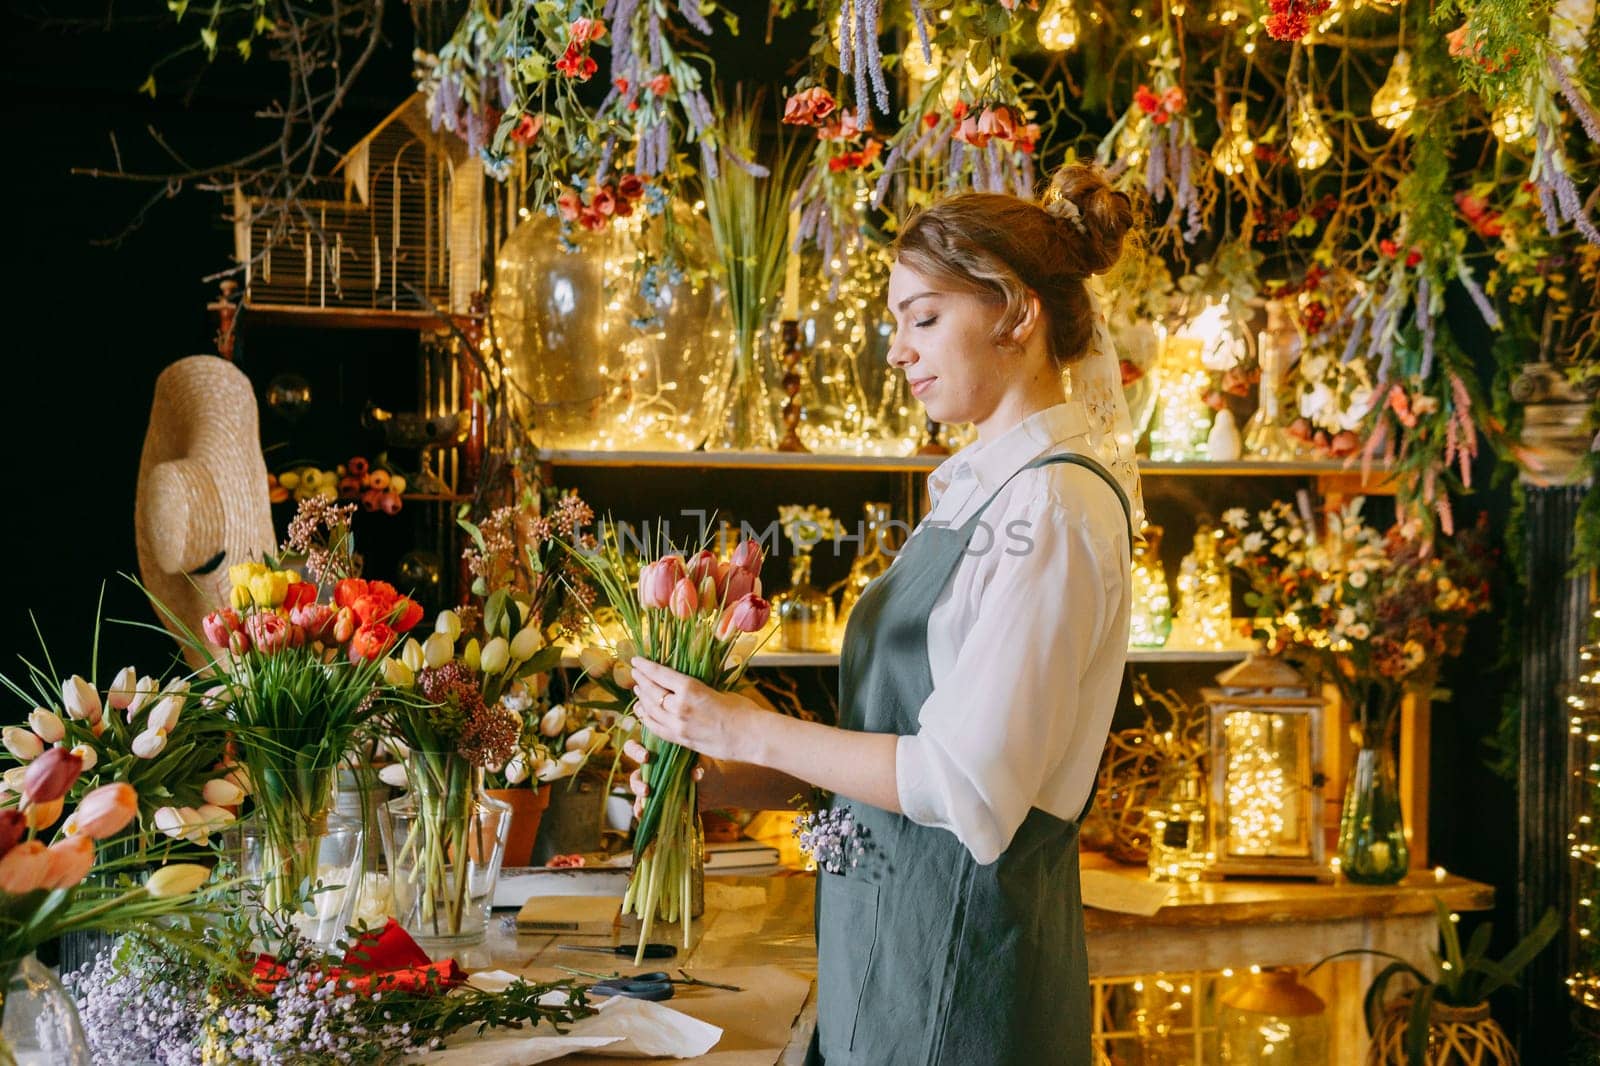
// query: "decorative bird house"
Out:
[400,226]
[1266,773]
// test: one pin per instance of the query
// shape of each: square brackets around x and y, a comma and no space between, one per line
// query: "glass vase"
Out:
[306,872]
[1269,1016]
[40,1025]
[445,839]
[1372,834]
[875,556]
[804,612]
[1151,622]
[748,422]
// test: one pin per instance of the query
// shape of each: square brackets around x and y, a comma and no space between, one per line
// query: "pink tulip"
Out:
[269,632]
[69,862]
[740,584]
[24,868]
[106,811]
[748,614]
[12,828]
[702,565]
[685,599]
[50,776]
[655,585]
[747,556]
[218,626]
[316,618]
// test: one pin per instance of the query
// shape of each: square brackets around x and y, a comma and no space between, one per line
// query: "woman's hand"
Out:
[676,707]
[639,755]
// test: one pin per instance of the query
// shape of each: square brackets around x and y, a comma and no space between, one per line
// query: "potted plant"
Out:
[1445,1019]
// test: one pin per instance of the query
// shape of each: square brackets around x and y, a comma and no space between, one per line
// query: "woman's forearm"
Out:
[858,766]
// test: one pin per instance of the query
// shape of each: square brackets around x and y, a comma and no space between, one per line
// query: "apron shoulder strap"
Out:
[1074,459]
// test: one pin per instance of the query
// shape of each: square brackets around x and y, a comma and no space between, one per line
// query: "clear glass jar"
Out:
[310,878]
[873,559]
[445,838]
[1205,598]
[1178,849]
[40,1025]
[804,612]
[1269,1016]
[1151,621]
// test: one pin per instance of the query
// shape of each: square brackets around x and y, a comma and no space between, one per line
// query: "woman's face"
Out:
[943,343]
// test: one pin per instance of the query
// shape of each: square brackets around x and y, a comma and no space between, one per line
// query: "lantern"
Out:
[1266,779]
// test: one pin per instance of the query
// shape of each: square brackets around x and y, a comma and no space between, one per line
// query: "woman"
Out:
[980,672]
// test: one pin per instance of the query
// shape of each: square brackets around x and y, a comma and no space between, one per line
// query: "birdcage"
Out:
[399,226]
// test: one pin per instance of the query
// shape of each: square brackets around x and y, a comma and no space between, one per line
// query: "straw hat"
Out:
[202,503]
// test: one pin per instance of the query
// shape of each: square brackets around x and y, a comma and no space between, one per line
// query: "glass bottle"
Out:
[874,558]
[41,1023]
[1264,435]
[1182,419]
[1372,833]
[1269,1016]
[1205,600]
[1178,824]
[1151,622]
[804,612]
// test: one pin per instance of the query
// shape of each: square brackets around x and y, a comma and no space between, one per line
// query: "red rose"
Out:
[593,221]
[661,84]
[604,201]
[371,641]
[1388,248]
[630,186]
[569,205]
[1413,257]
[585,30]
[1148,101]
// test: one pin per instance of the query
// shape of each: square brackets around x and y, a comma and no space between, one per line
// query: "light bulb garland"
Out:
[1395,100]
[1059,29]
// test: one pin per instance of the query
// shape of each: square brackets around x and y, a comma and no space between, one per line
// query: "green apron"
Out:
[923,955]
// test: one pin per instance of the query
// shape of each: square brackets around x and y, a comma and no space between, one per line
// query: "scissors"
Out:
[653,986]
[651,951]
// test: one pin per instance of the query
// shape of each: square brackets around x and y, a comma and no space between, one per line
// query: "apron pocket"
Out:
[846,940]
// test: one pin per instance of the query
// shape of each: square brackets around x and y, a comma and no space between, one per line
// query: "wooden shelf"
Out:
[336,317]
[731,460]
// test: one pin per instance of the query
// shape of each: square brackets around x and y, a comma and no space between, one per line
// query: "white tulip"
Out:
[525,643]
[12,778]
[393,775]
[169,821]
[176,687]
[147,687]
[240,777]
[21,743]
[213,817]
[87,754]
[47,725]
[411,654]
[625,650]
[148,745]
[437,650]
[221,792]
[573,760]
[123,688]
[496,656]
[622,675]
[80,699]
[164,718]
[554,722]
[179,879]
[579,741]
[448,623]
[471,655]
[550,770]
[595,661]
[516,770]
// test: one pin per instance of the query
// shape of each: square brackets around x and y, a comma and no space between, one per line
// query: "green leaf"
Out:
[1416,1039]
[208,37]
[244,49]
[149,86]
[178,7]
[263,24]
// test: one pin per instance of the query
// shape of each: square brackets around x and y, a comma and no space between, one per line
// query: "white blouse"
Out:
[1027,642]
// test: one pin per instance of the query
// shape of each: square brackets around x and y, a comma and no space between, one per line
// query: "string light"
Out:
[1395,100]
[918,69]
[1234,146]
[1512,122]
[1059,28]
[1582,699]
[1255,785]
[1308,137]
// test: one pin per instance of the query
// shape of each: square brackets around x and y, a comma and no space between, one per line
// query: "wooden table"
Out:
[1209,926]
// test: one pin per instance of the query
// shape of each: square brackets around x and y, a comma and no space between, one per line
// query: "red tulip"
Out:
[747,556]
[739,584]
[748,615]
[299,593]
[12,828]
[344,625]
[349,591]
[371,641]
[701,565]
[315,618]
[407,613]
[50,776]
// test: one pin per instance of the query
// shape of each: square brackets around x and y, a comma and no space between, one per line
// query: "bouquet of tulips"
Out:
[687,615]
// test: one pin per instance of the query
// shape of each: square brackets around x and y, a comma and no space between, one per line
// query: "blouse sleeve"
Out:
[1001,721]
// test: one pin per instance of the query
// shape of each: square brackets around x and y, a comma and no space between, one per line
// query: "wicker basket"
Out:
[1457,1036]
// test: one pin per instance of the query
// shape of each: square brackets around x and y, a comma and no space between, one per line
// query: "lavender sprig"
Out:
[1580,106]
[832,838]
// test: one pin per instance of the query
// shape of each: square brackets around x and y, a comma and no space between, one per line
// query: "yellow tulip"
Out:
[472,655]
[179,879]
[496,655]
[269,589]
[398,674]
[240,596]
